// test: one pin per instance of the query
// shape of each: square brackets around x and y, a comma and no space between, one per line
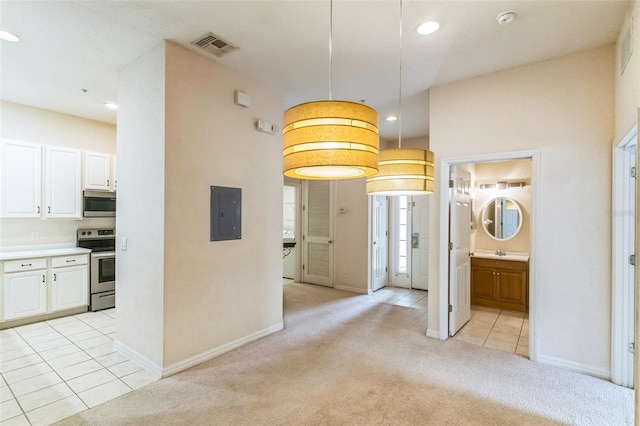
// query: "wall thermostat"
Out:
[266,127]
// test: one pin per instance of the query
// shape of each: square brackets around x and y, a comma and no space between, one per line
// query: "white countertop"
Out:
[510,255]
[42,252]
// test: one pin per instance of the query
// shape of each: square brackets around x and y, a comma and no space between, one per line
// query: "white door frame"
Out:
[622,304]
[443,247]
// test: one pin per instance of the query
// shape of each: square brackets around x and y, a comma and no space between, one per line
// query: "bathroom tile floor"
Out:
[53,369]
[506,331]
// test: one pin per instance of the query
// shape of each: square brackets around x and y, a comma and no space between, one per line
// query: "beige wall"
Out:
[351,235]
[218,292]
[206,297]
[564,108]
[490,173]
[141,207]
[28,124]
[627,86]
[420,142]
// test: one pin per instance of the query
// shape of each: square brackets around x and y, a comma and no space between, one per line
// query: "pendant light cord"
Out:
[330,49]
[400,83]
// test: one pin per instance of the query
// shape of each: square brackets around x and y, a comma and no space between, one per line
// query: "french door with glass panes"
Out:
[400,241]
[409,241]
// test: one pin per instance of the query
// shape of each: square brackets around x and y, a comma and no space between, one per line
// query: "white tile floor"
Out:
[54,369]
[506,331]
[410,298]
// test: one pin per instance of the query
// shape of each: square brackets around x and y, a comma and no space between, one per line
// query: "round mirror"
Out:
[502,218]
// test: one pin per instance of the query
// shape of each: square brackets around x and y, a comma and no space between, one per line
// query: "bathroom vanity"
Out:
[500,283]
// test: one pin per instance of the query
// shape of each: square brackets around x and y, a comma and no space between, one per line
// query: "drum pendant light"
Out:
[402,171]
[327,140]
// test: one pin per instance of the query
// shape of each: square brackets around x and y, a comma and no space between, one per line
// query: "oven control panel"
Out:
[84,234]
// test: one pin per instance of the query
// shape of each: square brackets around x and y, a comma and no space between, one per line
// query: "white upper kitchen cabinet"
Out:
[20,179]
[63,183]
[97,171]
[114,173]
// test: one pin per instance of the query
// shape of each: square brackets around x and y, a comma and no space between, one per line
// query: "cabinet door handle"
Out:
[26,264]
[49,209]
[72,260]
[42,277]
[107,182]
[38,209]
[55,277]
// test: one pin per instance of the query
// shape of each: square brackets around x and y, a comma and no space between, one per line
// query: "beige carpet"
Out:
[351,360]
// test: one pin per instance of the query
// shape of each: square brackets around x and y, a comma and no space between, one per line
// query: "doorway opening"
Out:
[498,281]
[291,232]
[623,221]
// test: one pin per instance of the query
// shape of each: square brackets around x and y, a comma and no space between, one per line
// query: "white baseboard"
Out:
[433,334]
[352,289]
[574,366]
[212,353]
[136,357]
[159,372]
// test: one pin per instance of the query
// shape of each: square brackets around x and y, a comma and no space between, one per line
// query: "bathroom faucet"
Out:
[500,253]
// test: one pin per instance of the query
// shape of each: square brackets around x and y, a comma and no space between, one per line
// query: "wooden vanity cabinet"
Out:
[501,284]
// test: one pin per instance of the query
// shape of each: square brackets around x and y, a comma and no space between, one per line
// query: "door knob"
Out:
[330,241]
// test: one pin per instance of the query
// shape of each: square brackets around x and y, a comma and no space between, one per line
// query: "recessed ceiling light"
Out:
[506,17]
[428,27]
[111,105]
[7,36]
[392,118]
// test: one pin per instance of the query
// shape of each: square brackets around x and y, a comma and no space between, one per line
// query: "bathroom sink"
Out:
[510,255]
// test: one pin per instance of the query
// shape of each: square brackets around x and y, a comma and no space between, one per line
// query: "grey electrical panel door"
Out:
[226,213]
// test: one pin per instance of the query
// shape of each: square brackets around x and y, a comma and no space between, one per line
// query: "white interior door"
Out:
[459,248]
[317,267]
[379,234]
[624,208]
[420,242]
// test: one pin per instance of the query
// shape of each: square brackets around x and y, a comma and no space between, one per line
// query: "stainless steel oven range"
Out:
[102,243]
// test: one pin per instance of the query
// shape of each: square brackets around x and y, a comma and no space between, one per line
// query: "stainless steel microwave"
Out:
[99,204]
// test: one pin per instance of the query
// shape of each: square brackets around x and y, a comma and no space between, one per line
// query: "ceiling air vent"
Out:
[213,44]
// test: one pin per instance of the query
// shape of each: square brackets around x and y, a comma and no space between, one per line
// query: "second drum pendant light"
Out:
[402,171]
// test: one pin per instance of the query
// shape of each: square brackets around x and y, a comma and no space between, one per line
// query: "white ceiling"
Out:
[67,46]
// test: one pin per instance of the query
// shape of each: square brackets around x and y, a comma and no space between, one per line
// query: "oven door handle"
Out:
[102,255]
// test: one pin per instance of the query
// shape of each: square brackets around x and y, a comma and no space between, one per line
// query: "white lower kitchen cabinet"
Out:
[25,294]
[69,288]
[35,288]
